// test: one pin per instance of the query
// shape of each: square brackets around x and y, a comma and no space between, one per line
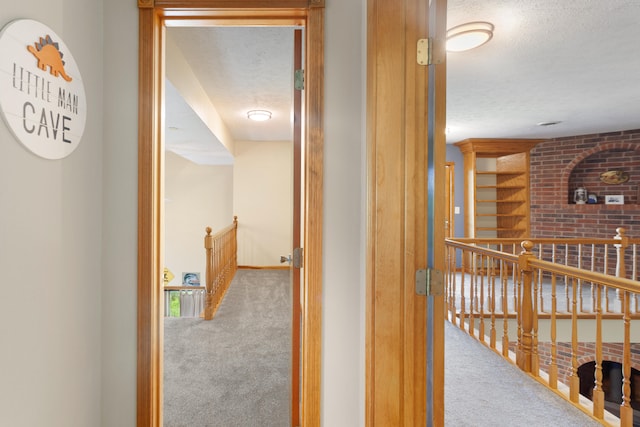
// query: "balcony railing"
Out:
[552,305]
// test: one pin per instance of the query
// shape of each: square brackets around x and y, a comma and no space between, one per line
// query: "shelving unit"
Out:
[496,187]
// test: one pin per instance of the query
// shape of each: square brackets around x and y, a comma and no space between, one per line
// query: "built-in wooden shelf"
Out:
[496,173]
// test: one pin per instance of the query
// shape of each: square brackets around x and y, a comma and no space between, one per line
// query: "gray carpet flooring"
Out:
[484,390]
[235,369]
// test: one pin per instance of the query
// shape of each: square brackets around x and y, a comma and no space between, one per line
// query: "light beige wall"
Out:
[119,227]
[196,197]
[263,201]
[51,248]
[344,220]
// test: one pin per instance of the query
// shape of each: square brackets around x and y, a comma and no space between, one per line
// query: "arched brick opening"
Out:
[565,187]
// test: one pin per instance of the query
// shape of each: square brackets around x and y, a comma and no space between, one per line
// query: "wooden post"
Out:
[208,302]
[621,270]
[626,411]
[523,356]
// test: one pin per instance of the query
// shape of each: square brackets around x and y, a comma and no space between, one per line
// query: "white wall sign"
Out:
[42,96]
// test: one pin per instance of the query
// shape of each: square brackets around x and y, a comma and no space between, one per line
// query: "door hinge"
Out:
[428,54]
[423,52]
[298,80]
[298,258]
[429,282]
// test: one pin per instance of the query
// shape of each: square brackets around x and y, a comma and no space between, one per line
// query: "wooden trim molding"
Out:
[153,16]
[397,158]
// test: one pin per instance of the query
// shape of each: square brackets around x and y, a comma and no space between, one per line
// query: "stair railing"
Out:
[222,264]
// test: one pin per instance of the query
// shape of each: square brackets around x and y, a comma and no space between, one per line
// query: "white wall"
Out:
[196,197]
[51,248]
[263,201]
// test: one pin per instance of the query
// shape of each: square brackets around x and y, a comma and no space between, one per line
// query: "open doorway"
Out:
[152,29]
[231,165]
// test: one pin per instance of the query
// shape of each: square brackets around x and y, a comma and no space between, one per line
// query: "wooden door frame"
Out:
[397,214]
[152,17]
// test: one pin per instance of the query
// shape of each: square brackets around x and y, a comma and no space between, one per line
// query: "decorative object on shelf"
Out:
[592,199]
[614,199]
[614,177]
[580,196]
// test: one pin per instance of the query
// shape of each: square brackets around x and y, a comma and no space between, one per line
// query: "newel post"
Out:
[621,269]
[208,302]
[525,345]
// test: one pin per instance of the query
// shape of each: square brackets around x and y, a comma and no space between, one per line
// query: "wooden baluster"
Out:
[535,361]
[574,380]
[492,303]
[504,277]
[634,274]
[626,412]
[593,268]
[553,368]
[463,287]
[540,276]
[598,392]
[472,295]
[580,281]
[454,292]
[566,280]
[481,299]
[621,268]
[526,308]
[606,271]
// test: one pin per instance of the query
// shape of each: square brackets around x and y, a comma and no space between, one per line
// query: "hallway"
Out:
[234,370]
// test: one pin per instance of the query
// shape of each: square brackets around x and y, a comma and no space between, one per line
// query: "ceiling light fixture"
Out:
[468,36]
[259,115]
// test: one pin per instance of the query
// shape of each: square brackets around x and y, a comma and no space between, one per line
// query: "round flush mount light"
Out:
[259,115]
[468,36]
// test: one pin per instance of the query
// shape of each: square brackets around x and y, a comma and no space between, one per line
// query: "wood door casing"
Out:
[153,16]
[397,158]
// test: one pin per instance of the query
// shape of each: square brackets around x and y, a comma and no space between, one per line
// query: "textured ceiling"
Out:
[576,62]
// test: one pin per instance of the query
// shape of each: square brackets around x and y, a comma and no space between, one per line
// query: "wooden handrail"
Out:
[222,264]
[489,279]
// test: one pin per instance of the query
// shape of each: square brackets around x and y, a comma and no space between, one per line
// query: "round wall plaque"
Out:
[42,97]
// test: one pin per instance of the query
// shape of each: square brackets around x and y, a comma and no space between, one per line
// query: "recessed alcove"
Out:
[622,169]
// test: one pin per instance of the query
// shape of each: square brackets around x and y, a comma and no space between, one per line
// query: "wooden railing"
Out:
[222,264]
[519,300]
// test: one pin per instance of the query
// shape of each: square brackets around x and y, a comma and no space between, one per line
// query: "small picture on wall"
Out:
[617,199]
[190,279]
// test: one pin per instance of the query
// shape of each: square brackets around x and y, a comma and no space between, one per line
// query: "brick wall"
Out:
[611,352]
[553,213]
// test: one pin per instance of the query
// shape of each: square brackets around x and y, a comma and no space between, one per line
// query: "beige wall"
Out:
[69,227]
[51,248]
[263,201]
[196,197]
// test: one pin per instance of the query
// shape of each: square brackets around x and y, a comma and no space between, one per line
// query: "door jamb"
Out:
[152,14]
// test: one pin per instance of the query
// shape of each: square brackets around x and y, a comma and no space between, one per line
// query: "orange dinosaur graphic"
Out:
[48,54]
